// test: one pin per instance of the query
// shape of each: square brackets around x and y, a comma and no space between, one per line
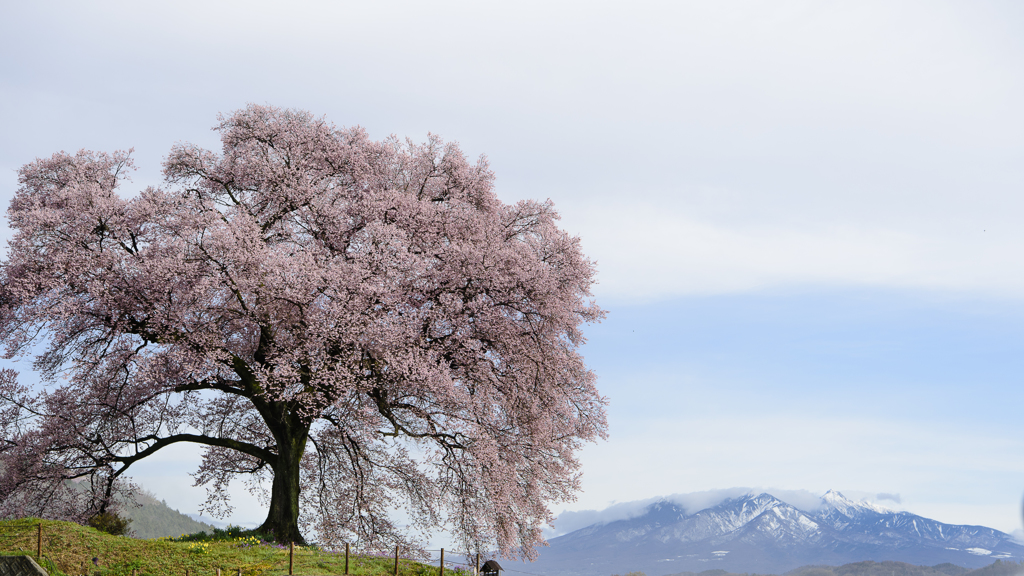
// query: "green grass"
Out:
[68,550]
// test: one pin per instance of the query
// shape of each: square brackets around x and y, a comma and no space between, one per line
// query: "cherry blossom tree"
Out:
[353,327]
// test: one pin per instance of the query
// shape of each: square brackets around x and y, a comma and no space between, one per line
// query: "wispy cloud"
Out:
[663,251]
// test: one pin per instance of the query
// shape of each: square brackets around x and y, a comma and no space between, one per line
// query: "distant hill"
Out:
[762,534]
[154,518]
[868,568]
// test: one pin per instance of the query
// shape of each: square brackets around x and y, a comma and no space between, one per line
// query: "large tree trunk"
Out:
[283,518]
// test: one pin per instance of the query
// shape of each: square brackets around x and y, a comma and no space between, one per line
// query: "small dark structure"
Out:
[20,566]
[490,568]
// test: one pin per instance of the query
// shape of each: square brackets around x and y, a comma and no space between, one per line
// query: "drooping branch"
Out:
[154,444]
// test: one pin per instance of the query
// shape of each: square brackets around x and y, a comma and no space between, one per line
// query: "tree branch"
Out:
[244,447]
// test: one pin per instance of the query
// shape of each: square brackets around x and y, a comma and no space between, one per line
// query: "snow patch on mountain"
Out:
[691,502]
[851,508]
[762,533]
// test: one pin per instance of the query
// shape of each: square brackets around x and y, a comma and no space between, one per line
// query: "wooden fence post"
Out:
[218,572]
[291,553]
[477,570]
[442,561]
[346,558]
[39,542]
[239,571]
[396,559]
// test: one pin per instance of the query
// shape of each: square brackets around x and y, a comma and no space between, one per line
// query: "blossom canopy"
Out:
[354,326]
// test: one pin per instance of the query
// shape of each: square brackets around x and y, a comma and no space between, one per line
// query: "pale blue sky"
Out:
[807,216]
[857,390]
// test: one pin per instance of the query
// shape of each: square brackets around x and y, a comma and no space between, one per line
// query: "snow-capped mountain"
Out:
[760,533]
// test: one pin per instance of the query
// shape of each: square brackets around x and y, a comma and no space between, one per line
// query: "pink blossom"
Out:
[354,327]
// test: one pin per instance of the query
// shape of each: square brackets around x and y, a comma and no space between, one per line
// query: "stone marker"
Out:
[20,566]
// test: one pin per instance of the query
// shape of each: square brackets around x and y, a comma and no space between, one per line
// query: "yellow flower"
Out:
[199,547]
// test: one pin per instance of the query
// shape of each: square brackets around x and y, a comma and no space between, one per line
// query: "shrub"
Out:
[110,523]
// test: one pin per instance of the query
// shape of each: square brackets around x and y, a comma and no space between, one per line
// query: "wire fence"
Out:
[75,555]
[455,565]
[18,536]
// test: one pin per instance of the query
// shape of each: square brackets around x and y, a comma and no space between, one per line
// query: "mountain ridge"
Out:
[761,533]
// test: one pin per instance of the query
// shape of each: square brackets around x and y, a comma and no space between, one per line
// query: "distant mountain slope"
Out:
[889,568]
[154,518]
[762,534]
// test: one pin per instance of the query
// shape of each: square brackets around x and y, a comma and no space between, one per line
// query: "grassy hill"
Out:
[153,518]
[68,550]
